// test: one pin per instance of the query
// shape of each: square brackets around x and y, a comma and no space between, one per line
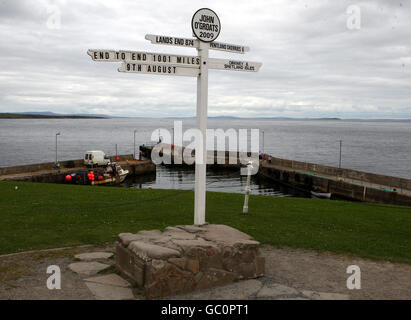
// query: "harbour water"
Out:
[382,147]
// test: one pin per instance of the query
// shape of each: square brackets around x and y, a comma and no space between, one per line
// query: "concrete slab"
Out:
[87,268]
[314,295]
[107,292]
[110,279]
[272,291]
[235,291]
[93,256]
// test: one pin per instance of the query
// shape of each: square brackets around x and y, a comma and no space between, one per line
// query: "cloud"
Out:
[313,65]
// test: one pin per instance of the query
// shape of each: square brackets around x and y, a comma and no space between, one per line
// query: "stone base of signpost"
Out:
[187,258]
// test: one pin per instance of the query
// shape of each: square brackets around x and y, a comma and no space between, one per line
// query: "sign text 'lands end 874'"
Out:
[206,27]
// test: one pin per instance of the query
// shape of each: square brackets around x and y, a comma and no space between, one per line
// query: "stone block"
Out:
[167,280]
[130,265]
[179,262]
[186,258]
[215,277]
[146,251]
[191,229]
[87,268]
[126,238]
[107,292]
[193,265]
[109,279]
[93,256]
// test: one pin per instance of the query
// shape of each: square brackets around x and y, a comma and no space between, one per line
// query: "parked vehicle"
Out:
[96,158]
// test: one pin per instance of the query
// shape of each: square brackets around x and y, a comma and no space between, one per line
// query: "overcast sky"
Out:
[314,63]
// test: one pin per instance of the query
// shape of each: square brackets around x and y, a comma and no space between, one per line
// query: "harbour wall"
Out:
[341,183]
[48,165]
[46,172]
[366,177]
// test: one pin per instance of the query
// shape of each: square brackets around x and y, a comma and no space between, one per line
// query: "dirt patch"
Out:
[23,276]
[326,272]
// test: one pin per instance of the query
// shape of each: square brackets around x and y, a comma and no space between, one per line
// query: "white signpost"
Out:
[206,27]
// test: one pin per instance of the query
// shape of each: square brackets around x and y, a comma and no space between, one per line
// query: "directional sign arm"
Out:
[172,41]
[102,55]
[194,43]
[142,57]
[234,65]
[234,48]
[159,69]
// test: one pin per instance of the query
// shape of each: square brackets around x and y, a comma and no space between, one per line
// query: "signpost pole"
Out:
[206,27]
[201,147]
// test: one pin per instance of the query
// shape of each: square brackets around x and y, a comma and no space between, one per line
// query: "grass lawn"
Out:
[39,216]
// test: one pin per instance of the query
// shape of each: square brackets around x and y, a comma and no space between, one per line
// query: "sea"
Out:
[377,146]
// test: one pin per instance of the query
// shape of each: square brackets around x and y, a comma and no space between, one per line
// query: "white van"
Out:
[96,158]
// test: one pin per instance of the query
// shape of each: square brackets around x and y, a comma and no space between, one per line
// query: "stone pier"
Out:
[186,258]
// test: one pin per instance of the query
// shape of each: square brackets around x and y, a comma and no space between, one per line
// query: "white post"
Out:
[57,162]
[263,143]
[135,144]
[201,168]
[247,188]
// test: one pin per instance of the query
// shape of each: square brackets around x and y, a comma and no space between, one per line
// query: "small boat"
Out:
[321,195]
[110,174]
[114,175]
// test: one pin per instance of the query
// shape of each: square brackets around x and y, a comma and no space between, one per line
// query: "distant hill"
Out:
[49,115]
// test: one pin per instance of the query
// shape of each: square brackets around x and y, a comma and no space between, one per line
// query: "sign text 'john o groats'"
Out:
[206,28]
[206,25]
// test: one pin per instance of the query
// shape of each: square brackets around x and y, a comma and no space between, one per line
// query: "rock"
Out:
[187,245]
[107,292]
[224,234]
[239,244]
[110,279]
[158,264]
[171,229]
[167,280]
[148,251]
[161,240]
[130,265]
[126,238]
[181,235]
[179,262]
[198,276]
[276,290]
[149,233]
[247,270]
[193,265]
[215,277]
[191,229]
[314,295]
[93,256]
[87,268]
[185,258]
